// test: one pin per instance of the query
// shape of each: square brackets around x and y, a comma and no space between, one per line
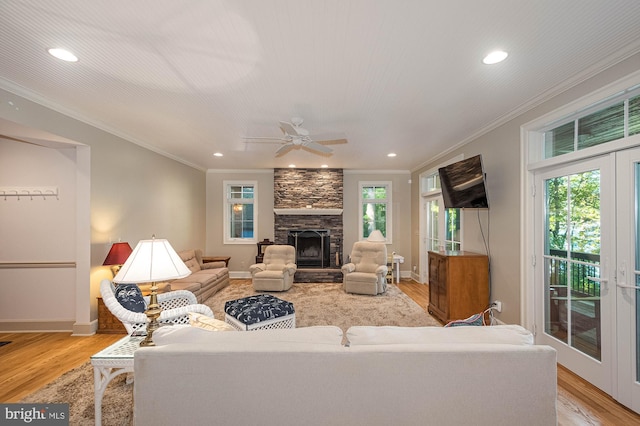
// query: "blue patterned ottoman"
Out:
[261,312]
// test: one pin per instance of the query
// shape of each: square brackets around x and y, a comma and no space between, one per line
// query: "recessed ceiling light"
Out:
[391,154]
[495,57]
[63,54]
[292,165]
[217,154]
[324,166]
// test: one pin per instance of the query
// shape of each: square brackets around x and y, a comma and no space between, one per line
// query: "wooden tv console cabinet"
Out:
[458,284]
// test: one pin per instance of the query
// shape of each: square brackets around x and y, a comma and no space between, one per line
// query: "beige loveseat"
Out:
[307,376]
[206,279]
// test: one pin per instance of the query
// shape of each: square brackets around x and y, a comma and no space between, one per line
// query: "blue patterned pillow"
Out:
[477,319]
[130,297]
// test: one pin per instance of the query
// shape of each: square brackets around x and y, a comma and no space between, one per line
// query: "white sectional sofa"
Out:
[383,376]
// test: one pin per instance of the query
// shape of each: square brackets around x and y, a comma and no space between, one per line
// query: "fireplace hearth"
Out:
[313,247]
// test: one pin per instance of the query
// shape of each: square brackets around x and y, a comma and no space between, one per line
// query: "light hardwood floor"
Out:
[34,359]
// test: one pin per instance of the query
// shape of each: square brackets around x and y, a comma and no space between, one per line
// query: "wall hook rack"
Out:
[23,192]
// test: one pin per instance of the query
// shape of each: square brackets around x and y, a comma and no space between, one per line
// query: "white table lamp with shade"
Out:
[152,261]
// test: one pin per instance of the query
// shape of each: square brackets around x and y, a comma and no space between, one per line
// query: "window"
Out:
[606,124]
[240,207]
[375,209]
[442,230]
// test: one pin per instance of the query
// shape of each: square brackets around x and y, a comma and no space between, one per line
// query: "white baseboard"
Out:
[36,326]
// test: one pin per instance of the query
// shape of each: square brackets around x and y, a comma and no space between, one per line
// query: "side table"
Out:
[110,363]
[107,323]
[397,259]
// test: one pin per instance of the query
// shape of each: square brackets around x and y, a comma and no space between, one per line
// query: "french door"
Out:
[587,269]
[628,277]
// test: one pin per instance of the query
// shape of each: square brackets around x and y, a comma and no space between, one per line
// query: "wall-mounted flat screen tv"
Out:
[463,184]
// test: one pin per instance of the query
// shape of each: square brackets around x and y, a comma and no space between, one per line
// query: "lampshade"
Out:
[151,261]
[376,237]
[118,254]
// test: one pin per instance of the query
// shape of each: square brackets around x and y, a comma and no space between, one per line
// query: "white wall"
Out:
[401,211]
[37,229]
[242,255]
[134,193]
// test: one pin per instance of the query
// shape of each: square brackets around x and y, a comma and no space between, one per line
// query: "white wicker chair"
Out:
[175,305]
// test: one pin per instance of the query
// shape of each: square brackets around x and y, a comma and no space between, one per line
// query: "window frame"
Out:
[387,201]
[226,210]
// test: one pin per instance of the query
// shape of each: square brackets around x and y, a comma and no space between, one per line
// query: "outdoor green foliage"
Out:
[573,219]
[374,217]
[577,226]
[374,213]
[453,229]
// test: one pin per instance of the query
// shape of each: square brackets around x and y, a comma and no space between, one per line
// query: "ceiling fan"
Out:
[295,136]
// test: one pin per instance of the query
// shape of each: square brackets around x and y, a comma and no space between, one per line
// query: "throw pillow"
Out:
[130,297]
[208,323]
[477,319]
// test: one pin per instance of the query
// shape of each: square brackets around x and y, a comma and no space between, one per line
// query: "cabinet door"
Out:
[443,291]
[433,280]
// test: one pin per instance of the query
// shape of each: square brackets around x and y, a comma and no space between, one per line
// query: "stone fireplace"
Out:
[308,216]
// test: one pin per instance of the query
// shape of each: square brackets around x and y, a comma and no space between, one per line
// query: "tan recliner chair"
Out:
[367,272]
[277,270]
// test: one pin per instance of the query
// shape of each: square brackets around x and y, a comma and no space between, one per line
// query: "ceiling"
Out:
[188,78]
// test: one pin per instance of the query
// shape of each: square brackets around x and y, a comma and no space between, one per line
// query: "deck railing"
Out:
[583,265]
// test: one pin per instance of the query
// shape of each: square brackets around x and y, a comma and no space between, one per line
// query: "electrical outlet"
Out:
[497,305]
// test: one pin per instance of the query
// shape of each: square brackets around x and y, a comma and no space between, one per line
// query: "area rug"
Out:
[315,304]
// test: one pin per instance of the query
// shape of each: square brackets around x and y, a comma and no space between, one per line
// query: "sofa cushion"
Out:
[189,259]
[207,323]
[130,297]
[322,335]
[504,334]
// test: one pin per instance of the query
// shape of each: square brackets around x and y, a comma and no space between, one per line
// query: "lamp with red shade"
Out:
[118,254]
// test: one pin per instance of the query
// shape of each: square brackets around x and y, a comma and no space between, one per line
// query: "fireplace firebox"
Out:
[313,247]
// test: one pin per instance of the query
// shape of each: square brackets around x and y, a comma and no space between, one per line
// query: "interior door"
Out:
[628,277]
[575,247]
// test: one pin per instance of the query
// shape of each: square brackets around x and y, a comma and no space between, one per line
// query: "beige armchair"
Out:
[277,269]
[367,272]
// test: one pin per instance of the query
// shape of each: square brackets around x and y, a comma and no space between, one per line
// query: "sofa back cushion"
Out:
[189,258]
[388,335]
[321,335]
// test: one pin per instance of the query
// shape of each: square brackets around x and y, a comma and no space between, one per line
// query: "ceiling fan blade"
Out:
[264,138]
[288,128]
[331,142]
[284,149]
[329,137]
[317,147]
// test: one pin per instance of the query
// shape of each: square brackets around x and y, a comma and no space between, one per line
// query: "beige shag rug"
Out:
[315,304]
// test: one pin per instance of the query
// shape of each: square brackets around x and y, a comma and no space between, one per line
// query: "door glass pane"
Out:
[572,257]
[452,229]
[637,264]
[432,225]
